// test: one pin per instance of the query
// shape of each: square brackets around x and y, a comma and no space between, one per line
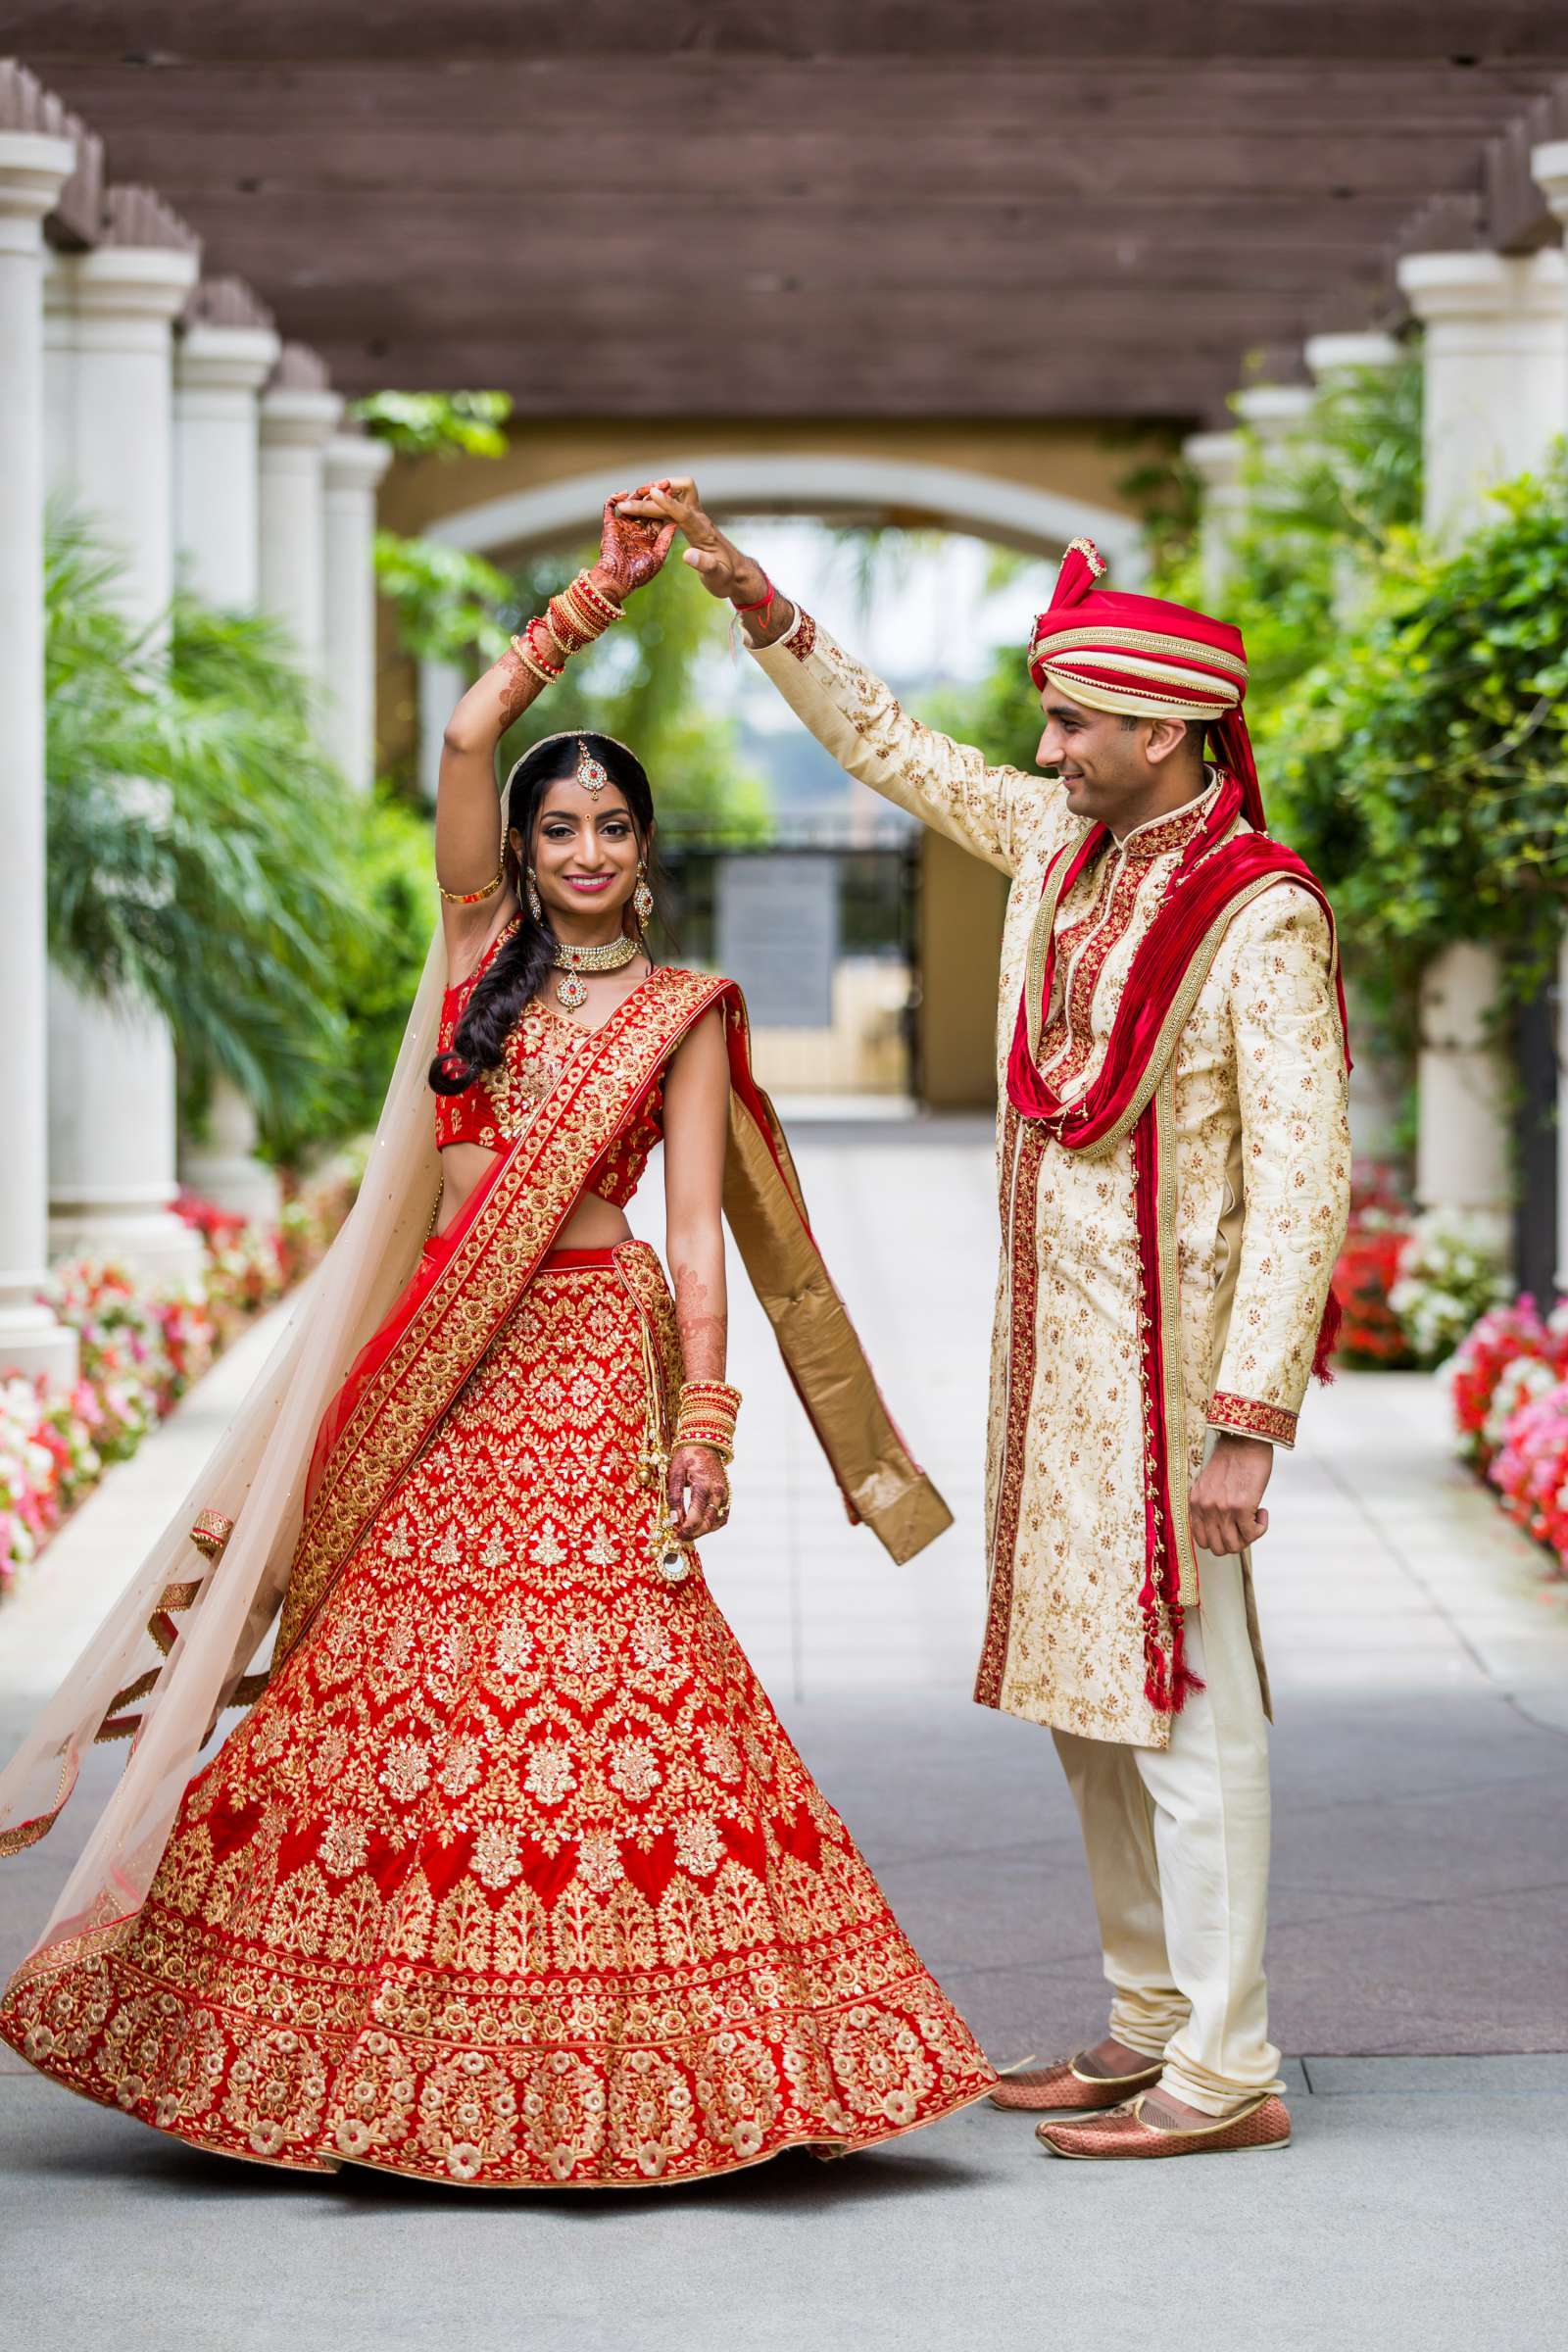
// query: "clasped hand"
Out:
[697,1491]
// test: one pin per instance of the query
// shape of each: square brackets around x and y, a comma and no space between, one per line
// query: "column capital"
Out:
[224,359]
[1482,290]
[34,165]
[298,420]
[124,285]
[1271,411]
[1340,355]
[1548,168]
[356,462]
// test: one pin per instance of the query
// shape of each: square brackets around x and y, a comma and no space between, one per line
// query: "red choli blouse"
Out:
[498,1105]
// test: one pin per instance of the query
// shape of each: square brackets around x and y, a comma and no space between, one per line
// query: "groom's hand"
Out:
[1224,1505]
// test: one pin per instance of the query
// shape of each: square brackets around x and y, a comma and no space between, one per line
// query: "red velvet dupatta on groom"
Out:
[1132,1095]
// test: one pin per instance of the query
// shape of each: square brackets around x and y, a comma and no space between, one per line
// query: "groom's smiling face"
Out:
[1103,762]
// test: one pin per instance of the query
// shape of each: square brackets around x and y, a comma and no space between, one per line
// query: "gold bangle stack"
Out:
[709,1410]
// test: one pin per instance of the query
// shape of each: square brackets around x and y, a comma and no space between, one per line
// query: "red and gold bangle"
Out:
[707,1413]
[579,615]
[566,628]
[533,657]
[583,591]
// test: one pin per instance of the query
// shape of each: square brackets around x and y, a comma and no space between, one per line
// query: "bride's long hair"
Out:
[517,974]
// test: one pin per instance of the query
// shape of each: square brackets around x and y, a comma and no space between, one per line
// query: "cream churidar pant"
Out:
[1177,1840]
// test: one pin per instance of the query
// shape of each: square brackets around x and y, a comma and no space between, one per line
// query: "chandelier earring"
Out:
[535,903]
[642,898]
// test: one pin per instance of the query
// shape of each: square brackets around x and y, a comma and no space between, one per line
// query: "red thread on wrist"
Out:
[764,603]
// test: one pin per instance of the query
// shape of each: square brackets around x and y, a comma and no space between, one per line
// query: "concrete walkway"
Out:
[1419,1954]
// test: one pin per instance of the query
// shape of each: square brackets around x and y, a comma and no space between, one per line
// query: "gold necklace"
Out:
[612,957]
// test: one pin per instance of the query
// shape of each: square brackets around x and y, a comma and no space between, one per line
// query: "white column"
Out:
[298,418]
[32,171]
[1217,458]
[355,463]
[218,373]
[1273,411]
[1496,372]
[1495,368]
[1548,168]
[112,1070]
[1334,359]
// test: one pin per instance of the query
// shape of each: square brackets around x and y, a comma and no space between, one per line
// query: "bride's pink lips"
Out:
[588,882]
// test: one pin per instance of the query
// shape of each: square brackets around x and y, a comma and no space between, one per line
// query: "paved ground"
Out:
[1420,1663]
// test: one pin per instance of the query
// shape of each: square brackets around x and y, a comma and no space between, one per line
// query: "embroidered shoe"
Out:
[1063,2090]
[1265,2123]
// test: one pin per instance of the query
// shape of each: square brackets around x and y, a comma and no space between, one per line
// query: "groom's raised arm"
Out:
[999,813]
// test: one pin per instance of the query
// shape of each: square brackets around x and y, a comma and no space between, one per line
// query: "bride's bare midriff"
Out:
[594,1224]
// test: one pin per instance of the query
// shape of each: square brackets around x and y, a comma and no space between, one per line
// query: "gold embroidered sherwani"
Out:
[1262,1162]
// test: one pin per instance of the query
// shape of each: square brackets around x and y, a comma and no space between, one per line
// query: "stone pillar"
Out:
[355,463]
[1495,374]
[1548,168]
[33,167]
[112,1069]
[224,356]
[1273,412]
[298,416]
[1334,359]
[1217,458]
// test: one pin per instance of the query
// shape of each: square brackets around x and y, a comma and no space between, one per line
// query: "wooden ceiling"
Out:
[633,208]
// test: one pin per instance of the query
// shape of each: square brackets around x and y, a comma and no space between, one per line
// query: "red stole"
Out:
[1214,881]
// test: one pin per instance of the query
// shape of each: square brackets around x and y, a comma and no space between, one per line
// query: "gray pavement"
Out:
[1417,1958]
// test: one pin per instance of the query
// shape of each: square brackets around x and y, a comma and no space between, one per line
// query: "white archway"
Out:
[833,489]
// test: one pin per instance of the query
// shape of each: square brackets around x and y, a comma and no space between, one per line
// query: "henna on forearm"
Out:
[704,1326]
[517,689]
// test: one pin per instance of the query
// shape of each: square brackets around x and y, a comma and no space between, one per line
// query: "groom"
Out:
[1174,1164]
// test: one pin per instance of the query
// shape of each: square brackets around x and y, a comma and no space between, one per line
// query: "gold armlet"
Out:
[471,898]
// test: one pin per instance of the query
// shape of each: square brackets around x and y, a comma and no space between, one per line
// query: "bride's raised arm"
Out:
[467,836]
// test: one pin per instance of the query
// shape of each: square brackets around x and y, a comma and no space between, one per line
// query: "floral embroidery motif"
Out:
[1252,1419]
[801,639]
[564,1905]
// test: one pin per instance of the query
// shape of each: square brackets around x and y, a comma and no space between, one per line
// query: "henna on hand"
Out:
[697,1491]
[632,545]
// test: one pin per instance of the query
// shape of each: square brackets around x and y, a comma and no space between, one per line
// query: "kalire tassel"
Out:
[1327,1339]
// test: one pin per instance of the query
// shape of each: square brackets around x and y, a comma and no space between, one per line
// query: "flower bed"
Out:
[141,1344]
[1410,1287]
[1509,1384]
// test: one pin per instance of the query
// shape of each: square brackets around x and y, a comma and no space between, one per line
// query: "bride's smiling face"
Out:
[585,854]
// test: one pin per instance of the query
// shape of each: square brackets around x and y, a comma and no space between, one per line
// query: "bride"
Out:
[508,1873]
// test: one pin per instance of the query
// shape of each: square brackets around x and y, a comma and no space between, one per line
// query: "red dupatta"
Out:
[1131,1096]
[404,1379]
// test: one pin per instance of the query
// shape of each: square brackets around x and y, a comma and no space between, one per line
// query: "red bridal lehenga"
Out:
[510,1874]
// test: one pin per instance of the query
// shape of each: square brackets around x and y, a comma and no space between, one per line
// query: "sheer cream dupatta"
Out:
[222,1606]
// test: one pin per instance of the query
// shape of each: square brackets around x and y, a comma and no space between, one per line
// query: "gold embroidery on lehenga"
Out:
[512,1878]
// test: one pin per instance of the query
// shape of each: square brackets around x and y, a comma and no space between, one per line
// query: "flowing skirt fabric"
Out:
[512,1876]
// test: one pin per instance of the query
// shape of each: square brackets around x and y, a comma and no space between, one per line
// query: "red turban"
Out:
[1146,659]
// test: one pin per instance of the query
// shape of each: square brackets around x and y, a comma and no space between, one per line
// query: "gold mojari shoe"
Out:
[1064,2090]
[1265,2123]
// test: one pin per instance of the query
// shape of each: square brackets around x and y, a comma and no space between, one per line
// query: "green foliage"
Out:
[448,603]
[373,976]
[198,840]
[1422,769]
[438,425]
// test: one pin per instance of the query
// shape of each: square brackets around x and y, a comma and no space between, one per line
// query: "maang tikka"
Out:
[592,774]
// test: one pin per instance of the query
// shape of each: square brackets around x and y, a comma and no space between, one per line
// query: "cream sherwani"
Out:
[1261,1153]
